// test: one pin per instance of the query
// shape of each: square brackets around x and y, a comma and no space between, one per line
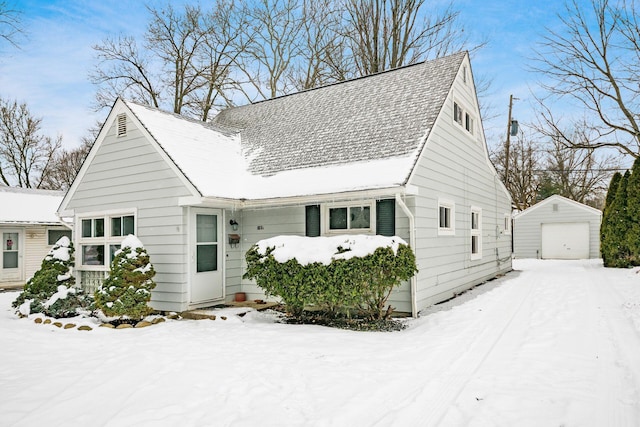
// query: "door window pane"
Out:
[207,258]
[10,260]
[10,241]
[206,228]
[338,219]
[360,217]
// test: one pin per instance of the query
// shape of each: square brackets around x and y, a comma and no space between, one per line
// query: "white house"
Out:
[29,227]
[396,153]
[557,228]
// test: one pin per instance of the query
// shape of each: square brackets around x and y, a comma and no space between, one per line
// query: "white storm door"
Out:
[11,260]
[206,255]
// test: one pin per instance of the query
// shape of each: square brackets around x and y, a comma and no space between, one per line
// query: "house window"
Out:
[457,113]
[54,235]
[122,124]
[122,225]
[354,218]
[101,237]
[507,224]
[446,217]
[476,233]
[468,123]
[93,227]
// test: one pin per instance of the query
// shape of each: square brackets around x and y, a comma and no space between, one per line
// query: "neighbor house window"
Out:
[446,217]
[122,225]
[350,218]
[476,233]
[54,235]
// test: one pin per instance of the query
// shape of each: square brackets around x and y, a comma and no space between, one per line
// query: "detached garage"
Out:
[557,228]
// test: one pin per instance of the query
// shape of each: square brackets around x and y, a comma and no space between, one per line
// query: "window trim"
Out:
[106,241]
[475,232]
[326,225]
[451,230]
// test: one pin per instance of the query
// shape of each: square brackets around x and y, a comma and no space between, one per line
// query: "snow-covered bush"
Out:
[127,291]
[353,274]
[51,289]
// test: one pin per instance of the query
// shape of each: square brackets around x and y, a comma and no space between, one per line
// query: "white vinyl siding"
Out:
[457,169]
[527,228]
[140,179]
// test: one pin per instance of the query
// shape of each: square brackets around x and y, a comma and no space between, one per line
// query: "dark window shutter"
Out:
[312,220]
[386,217]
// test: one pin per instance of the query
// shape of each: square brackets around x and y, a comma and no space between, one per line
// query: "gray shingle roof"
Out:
[375,117]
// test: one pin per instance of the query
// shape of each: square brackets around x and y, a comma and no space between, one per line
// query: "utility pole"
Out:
[512,129]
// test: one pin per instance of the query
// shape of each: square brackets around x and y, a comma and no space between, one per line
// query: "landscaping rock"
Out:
[143,324]
[107,325]
[38,320]
[58,324]
[157,320]
[69,326]
[47,321]
[124,326]
[85,328]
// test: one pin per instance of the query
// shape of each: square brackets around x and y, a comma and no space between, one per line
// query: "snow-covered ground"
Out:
[556,343]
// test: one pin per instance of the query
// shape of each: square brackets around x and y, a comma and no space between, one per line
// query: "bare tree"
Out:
[386,34]
[523,177]
[125,70]
[25,154]
[594,60]
[276,27]
[322,58]
[225,38]
[10,24]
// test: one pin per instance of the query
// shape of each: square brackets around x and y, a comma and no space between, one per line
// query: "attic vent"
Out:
[555,207]
[122,124]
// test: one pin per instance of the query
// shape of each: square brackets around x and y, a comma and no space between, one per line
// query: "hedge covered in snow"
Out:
[350,273]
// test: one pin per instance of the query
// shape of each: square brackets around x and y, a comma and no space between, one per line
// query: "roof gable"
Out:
[556,198]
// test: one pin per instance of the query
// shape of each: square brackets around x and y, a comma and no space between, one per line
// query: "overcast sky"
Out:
[49,71]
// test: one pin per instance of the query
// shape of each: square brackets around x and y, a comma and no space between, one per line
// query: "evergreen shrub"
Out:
[125,294]
[51,290]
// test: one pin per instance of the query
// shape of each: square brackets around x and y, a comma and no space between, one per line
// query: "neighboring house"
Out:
[28,227]
[396,153]
[557,228]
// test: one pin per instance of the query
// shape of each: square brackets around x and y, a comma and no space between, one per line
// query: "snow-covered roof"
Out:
[361,134]
[556,198]
[29,206]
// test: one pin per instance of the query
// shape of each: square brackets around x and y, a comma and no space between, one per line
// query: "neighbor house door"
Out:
[206,255]
[11,260]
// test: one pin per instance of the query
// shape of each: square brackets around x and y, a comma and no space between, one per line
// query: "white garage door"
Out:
[565,240]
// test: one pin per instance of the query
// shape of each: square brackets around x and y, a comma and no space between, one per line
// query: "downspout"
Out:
[412,242]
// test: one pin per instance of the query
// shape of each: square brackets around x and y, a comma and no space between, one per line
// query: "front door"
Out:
[206,255]
[11,261]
